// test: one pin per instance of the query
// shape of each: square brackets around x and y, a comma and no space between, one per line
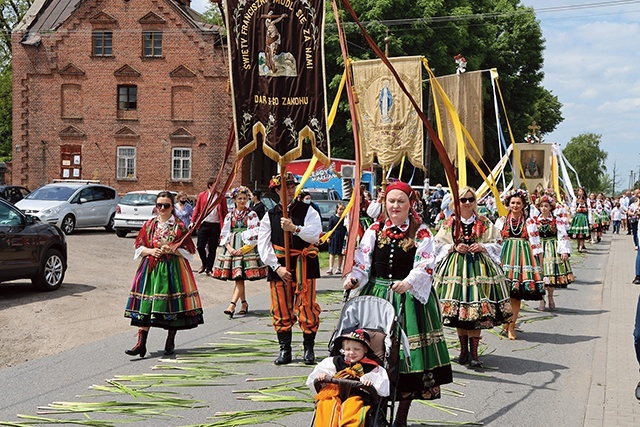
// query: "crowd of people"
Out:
[471,273]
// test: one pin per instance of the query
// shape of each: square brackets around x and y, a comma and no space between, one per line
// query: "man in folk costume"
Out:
[210,227]
[293,293]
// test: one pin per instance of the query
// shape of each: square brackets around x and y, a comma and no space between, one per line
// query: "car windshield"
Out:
[138,199]
[327,209]
[53,193]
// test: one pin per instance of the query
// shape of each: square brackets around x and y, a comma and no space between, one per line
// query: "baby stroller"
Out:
[378,317]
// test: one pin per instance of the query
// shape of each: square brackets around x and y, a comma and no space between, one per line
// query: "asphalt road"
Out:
[541,379]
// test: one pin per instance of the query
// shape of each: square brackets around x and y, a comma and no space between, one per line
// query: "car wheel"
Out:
[109,226]
[68,224]
[51,272]
[121,233]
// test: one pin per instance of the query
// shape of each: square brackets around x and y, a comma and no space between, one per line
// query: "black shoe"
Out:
[636,281]
[308,343]
[170,343]
[284,338]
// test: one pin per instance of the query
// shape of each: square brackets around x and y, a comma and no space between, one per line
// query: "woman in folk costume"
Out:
[521,254]
[396,256]
[473,292]
[356,361]
[556,249]
[238,257]
[164,292]
[579,228]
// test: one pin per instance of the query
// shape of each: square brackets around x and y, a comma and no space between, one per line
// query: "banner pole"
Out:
[285,213]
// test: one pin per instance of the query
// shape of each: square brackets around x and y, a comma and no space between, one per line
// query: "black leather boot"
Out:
[308,342]
[402,414]
[284,338]
[474,342]
[141,346]
[170,343]
[463,359]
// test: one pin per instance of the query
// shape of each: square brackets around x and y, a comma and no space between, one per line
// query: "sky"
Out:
[591,63]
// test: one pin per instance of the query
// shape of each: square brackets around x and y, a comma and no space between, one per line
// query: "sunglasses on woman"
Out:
[467,199]
[163,205]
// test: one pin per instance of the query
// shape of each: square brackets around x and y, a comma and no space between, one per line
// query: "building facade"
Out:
[133,93]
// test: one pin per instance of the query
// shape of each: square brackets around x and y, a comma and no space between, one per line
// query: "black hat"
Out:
[354,334]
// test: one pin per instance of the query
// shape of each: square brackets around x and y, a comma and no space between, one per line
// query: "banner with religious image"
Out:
[390,128]
[276,51]
[533,166]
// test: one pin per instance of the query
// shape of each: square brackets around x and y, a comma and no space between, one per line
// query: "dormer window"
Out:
[152,44]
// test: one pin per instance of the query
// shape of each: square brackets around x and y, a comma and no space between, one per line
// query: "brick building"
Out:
[130,92]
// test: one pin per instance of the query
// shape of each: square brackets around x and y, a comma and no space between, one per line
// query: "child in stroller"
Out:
[347,403]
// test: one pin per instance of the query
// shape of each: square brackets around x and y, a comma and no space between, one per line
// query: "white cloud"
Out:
[591,65]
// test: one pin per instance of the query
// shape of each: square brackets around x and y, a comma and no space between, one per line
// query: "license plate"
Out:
[134,222]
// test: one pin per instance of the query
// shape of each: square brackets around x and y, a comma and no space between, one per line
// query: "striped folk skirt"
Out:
[430,365]
[522,270]
[238,267]
[473,291]
[557,273]
[579,228]
[164,295]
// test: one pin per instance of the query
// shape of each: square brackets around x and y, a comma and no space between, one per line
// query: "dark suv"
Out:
[30,249]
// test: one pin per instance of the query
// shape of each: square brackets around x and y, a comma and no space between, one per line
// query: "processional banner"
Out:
[533,164]
[390,128]
[465,93]
[276,51]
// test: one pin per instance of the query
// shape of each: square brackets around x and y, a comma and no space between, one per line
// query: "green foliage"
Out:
[213,15]
[5,114]
[584,153]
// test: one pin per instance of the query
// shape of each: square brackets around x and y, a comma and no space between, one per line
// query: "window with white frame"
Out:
[126,163]
[181,161]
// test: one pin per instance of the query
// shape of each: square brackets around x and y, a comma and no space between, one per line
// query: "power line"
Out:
[488,15]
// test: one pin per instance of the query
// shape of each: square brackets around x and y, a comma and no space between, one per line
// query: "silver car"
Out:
[72,204]
[134,209]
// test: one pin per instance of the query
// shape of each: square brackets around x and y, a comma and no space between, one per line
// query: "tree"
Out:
[11,13]
[5,114]
[584,154]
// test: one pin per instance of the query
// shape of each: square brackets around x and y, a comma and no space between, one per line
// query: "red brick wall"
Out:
[37,100]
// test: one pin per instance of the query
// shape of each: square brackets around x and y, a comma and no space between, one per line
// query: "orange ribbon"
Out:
[301,265]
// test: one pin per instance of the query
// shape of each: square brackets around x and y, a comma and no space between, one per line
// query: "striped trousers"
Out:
[287,307]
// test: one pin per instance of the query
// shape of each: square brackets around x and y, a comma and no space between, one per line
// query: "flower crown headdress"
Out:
[517,192]
[240,189]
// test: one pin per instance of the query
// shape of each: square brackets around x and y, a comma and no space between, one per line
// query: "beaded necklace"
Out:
[516,226]
[239,215]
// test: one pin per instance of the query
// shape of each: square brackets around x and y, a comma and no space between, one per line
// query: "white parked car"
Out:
[134,209]
[72,204]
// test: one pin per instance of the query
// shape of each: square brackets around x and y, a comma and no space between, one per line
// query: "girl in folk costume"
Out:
[238,257]
[356,361]
[396,256]
[164,292]
[521,254]
[595,219]
[556,249]
[606,211]
[473,292]
[579,228]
